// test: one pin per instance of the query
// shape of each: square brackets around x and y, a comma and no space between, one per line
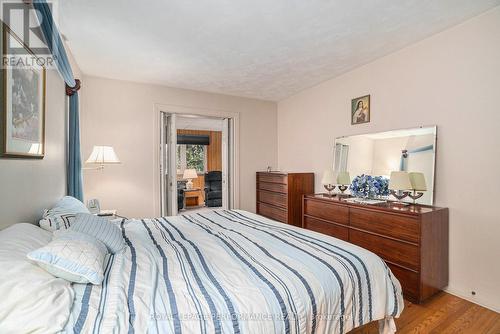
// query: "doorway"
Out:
[197,163]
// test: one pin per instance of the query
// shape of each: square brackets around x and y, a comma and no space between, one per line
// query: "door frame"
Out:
[234,167]
[168,180]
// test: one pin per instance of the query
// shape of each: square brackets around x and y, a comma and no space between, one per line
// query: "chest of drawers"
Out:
[279,195]
[413,240]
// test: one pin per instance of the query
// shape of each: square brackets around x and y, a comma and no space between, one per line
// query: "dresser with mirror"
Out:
[411,238]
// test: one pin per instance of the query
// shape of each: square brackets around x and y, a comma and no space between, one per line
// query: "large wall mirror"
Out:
[378,154]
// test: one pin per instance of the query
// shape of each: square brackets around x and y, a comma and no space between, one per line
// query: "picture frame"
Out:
[360,110]
[22,114]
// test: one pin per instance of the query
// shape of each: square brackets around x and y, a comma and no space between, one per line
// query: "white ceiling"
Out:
[267,49]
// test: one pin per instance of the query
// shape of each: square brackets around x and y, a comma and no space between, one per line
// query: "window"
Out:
[191,157]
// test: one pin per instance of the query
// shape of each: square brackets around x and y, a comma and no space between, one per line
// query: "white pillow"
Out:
[74,256]
[62,214]
[101,229]
[33,301]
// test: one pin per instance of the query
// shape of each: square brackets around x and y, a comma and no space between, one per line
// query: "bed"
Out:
[231,271]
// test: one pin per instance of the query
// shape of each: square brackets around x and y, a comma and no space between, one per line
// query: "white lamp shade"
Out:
[328,177]
[103,155]
[343,178]
[189,174]
[399,181]
[417,181]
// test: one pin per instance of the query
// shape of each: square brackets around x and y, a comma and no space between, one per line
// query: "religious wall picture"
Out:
[23,112]
[360,110]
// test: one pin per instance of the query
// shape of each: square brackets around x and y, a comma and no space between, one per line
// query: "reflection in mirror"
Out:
[378,154]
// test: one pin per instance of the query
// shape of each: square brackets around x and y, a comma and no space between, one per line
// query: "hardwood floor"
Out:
[443,314]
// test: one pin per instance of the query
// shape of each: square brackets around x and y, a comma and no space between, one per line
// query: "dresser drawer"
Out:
[276,187]
[331,212]
[272,178]
[333,230]
[272,212]
[404,228]
[277,199]
[394,251]
[409,282]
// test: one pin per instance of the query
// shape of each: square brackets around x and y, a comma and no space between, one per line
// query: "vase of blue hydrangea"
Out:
[369,187]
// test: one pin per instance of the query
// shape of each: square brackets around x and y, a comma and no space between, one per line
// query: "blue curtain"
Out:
[405,153]
[56,47]
[75,180]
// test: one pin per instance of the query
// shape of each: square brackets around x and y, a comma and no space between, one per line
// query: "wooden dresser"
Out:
[413,239]
[279,195]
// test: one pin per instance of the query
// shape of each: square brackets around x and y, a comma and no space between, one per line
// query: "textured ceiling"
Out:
[267,49]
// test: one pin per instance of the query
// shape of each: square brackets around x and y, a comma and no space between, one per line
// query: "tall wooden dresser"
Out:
[413,239]
[279,195]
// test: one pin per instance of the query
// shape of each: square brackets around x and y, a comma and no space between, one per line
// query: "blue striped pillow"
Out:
[62,215]
[101,229]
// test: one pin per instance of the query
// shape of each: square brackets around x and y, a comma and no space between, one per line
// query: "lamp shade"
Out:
[328,177]
[417,181]
[399,181]
[103,155]
[343,178]
[189,174]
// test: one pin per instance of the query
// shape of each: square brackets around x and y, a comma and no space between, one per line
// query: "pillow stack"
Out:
[62,215]
[80,246]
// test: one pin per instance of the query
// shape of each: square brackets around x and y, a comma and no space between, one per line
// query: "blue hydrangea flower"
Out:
[367,186]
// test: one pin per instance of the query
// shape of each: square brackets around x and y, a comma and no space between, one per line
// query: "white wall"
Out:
[122,114]
[28,186]
[452,80]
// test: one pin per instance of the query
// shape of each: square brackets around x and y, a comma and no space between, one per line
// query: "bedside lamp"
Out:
[189,174]
[343,180]
[102,155]
[328,181]
[398,183]
[418,185]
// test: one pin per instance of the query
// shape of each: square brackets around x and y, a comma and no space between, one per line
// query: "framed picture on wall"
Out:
[360,110]
[22,121]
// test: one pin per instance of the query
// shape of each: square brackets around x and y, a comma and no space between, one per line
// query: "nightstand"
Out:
[192,197]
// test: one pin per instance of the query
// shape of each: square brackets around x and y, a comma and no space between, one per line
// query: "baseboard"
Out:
[468,298]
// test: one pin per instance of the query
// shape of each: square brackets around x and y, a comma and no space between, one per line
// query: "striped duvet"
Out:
[234,272]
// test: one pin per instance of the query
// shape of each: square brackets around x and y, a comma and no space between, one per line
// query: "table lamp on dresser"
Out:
[399,184]
[343,182]
[418,185]
[328,181]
